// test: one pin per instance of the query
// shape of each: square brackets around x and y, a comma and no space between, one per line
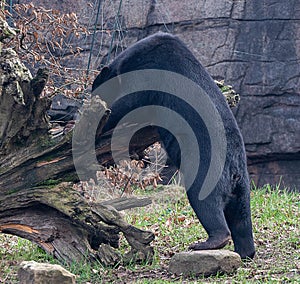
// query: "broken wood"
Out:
[62,222]
[36,203]
[124,203]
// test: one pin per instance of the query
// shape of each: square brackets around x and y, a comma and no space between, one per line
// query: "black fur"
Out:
[226,211]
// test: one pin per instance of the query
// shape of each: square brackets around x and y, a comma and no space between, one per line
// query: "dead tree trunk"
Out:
[36,202]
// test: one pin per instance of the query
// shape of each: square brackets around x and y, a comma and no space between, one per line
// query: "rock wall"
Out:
[253,45]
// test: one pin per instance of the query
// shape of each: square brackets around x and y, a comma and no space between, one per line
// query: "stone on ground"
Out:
[31,272]
[205,262]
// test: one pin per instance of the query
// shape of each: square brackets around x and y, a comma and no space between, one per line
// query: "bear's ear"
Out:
[101,78]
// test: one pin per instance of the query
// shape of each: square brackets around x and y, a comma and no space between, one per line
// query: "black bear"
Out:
[223,211]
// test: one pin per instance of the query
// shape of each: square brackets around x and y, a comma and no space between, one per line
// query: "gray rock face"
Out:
[206,262]
[31,272]
[253,45]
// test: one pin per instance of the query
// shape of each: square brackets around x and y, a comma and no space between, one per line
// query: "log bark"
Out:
[36,201]
[66,226]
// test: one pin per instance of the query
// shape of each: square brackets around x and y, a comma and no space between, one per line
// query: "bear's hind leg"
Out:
[212,218]
[238,217]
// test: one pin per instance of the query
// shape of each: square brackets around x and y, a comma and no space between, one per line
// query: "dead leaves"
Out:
[44,38]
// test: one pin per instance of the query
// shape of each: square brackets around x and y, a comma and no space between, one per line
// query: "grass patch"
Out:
[13,251]
[275,214]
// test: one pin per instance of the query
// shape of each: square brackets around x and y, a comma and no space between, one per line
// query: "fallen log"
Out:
[36,202]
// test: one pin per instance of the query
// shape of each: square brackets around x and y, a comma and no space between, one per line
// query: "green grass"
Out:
[275,215]
[14,250]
